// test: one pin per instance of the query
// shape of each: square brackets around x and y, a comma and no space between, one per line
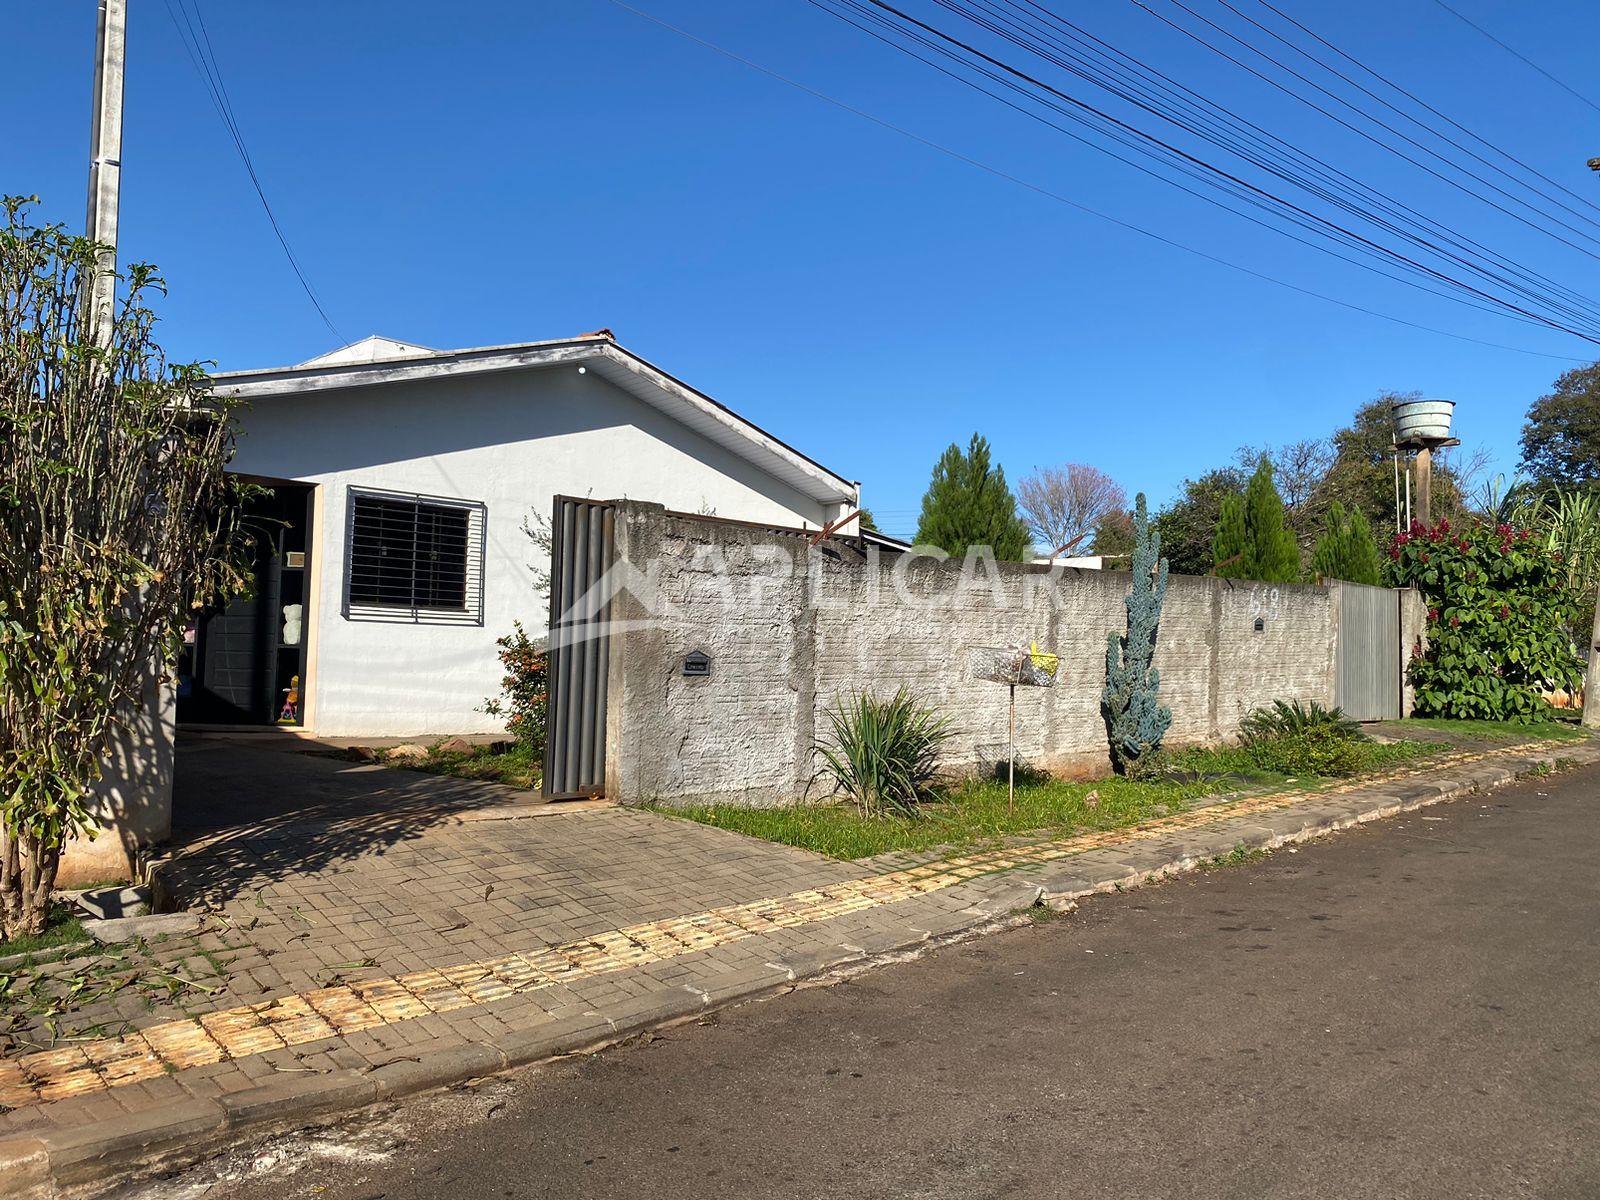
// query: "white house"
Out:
[403,479]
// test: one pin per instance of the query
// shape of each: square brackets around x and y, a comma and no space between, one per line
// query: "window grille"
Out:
[412,557]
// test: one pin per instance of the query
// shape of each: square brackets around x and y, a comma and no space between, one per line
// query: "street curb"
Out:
[1065,886]
[56,1163]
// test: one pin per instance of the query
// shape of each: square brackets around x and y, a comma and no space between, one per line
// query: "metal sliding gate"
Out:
[581,551]
[1367,659]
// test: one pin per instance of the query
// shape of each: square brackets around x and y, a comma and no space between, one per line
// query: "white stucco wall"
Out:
[512,441]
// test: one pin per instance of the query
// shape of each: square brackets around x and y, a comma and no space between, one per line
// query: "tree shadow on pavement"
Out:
[245,816]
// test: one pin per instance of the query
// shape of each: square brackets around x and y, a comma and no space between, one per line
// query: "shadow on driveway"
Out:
[244,811]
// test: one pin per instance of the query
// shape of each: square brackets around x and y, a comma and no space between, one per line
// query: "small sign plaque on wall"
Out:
[697,663]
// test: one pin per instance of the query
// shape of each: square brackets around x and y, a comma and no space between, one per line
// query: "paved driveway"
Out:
[400,870]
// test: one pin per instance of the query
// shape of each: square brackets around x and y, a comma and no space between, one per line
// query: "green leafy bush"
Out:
[117,521]
[1291,738]
[525,688]
[883,754]
[1292,717]
[1500,616]
[1316,750]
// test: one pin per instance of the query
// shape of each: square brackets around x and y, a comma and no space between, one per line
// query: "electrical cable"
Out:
[203,57]
[1065,200]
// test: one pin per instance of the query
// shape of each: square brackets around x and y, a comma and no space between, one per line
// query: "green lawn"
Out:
[1559,730]
[977,812]
[1235,760]
[62,928]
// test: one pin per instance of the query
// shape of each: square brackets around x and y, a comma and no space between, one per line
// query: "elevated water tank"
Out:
[1422,420]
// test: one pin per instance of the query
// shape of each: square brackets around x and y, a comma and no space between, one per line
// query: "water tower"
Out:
[1420,428]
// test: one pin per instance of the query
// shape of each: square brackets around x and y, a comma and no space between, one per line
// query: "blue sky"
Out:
[498,172]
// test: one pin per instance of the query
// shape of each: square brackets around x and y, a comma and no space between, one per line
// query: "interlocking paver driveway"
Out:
[412,870]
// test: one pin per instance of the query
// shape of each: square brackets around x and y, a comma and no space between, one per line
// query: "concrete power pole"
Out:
[1425,485]
[1591,681]
[105,156]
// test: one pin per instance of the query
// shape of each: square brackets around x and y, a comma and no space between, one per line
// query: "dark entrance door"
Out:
[244,663]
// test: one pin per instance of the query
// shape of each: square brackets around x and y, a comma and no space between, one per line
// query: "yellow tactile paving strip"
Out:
[297,1020]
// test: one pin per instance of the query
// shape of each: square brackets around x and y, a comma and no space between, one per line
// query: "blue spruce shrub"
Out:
[1135,722]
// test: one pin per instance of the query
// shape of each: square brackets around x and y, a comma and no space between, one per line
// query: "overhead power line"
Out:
[1548,312]
[1103,65]
[1183,164]
[1586,201]
[1538,226]
[1518,55]
[196,41]
[1068,201]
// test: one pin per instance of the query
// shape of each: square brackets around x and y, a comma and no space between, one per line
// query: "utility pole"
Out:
[1425,485]
[105,159]
[1591,681]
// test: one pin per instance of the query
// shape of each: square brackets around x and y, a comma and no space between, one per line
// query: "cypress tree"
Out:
[1227,546]
[1347,550]
[1271,553]
[968,504]
[1135,721]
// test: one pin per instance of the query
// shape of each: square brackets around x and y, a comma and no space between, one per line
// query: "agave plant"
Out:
[883,754]
[1289,718]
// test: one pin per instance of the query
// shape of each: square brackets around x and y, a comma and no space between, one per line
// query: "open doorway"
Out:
[244,663]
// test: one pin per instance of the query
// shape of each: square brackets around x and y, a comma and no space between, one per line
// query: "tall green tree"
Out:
[1271,553]
[1228,545]
[1347,550]
[968,504]
[1561,440]
[1298,471]
[1188,525]
[1113,535]
[1251,538]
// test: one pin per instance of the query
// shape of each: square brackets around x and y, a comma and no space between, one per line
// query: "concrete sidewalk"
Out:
[470,945]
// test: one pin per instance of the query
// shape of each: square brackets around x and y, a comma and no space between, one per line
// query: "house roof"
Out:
[375,361]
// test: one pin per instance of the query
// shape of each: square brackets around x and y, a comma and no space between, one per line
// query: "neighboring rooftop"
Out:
[369,350]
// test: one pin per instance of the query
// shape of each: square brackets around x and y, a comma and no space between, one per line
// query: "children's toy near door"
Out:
[244,663]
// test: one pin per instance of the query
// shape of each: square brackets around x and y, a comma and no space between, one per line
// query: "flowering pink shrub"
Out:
[1499,621]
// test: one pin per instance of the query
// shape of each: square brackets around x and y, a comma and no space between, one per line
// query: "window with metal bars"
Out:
[414,555]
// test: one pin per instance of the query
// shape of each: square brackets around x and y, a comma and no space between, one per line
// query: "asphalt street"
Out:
[1407,1009]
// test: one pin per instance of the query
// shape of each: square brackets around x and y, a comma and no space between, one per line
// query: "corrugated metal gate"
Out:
[1367,653]
[581,551]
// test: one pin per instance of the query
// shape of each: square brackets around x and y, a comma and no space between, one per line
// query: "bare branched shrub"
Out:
[1067,502]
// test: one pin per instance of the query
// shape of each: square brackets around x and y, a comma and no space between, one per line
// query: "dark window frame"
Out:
[413,557]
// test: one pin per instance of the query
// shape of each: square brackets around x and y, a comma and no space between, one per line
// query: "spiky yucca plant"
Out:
[1291,717]
[883,754]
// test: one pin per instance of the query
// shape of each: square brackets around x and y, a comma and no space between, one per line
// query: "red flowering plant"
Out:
[525,690]
[1500,621]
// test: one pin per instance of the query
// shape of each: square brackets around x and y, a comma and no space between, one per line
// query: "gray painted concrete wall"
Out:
[789,630]
[132,803]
